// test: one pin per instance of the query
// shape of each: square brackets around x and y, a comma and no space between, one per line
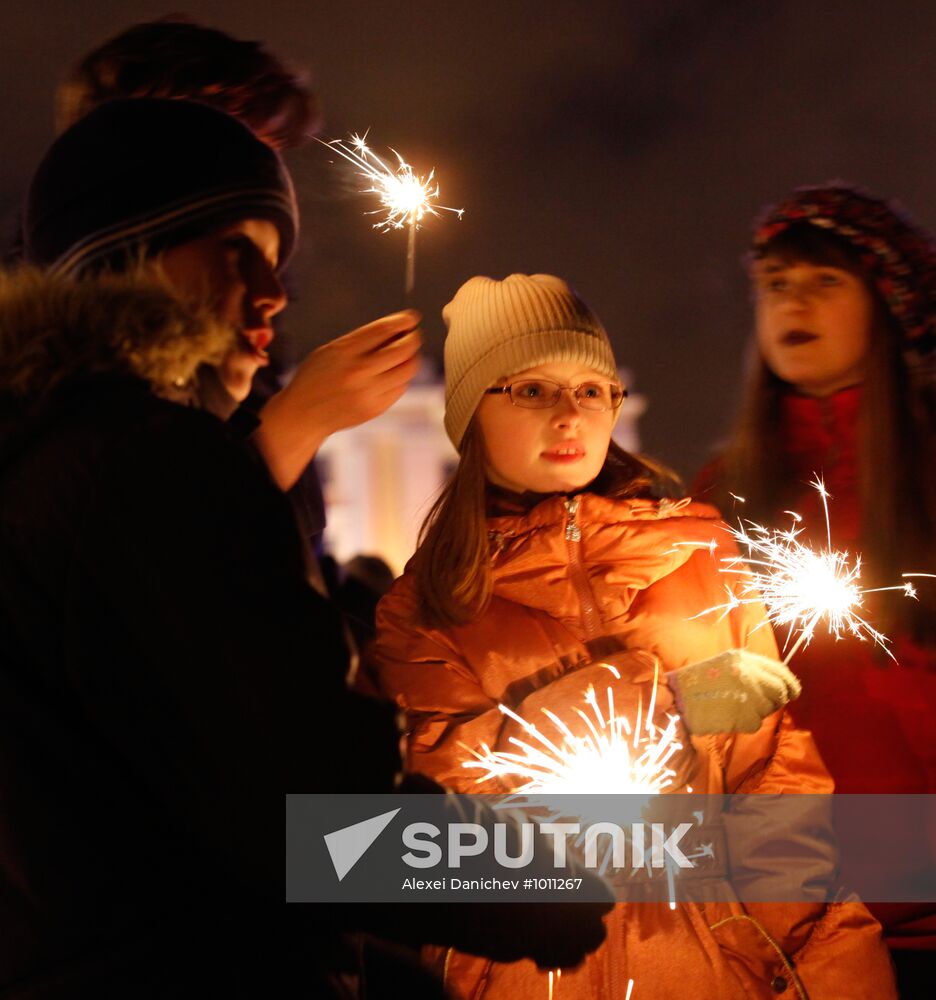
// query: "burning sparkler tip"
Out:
[801,586]
[404,196]
[609,754]
[818,484]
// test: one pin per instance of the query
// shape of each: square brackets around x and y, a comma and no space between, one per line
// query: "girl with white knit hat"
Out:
[551,553]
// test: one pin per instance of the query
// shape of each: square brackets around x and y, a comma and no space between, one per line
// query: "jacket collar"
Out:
[618,547]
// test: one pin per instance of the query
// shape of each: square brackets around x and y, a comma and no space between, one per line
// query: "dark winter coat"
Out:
[166,674]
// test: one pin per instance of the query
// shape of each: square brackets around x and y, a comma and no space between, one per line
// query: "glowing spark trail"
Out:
[554,985]
[554,976]
[615,756]
[405,197]
[801,586]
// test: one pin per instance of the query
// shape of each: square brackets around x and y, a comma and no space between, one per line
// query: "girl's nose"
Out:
[797,295]
[566,411]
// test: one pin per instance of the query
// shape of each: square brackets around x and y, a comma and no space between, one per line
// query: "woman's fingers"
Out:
[379,333]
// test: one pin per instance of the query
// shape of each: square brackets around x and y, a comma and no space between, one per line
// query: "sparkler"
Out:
[615,756]
[801,586]
[404,196]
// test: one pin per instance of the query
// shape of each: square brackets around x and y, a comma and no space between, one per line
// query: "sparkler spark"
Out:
[554,976]
[801,586]
[554,985]
[405,197]
[615,756]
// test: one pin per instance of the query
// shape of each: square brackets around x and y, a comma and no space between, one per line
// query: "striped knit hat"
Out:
[899,255]
[143,175]
[499,328]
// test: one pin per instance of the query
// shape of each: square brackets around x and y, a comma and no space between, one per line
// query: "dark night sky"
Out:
[625,146]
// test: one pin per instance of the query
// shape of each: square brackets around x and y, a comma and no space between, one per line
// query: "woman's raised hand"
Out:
[341,384]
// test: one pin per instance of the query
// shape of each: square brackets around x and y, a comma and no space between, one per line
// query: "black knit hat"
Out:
[148,174]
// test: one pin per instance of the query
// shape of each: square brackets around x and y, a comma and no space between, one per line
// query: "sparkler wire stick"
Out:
[410,282]
[805,635]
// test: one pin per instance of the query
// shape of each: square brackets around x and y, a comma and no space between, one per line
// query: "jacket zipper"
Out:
[573,534]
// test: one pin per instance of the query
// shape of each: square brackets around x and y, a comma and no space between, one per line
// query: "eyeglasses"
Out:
[541,393]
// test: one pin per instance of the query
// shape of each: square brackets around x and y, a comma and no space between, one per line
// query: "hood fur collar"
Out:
[55,328]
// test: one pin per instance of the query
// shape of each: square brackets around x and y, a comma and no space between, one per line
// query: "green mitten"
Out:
[732,692]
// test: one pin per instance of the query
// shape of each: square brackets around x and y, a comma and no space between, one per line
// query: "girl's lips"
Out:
[564,454]
[793,338]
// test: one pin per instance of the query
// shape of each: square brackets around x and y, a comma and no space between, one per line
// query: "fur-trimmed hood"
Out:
[53,329]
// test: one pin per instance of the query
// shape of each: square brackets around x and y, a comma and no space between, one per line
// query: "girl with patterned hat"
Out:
[841,385]
[554,563]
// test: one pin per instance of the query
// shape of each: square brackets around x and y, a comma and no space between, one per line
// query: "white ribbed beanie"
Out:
[498,328]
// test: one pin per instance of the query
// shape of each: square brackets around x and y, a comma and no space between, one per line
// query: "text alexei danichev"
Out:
[489,884]
[459,883]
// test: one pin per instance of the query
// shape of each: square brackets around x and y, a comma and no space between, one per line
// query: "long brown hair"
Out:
[452,564]
[895,439]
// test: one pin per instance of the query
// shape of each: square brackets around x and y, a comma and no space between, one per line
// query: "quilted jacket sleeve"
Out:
[447,711]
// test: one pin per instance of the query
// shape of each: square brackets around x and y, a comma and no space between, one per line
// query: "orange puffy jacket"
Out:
[574,581]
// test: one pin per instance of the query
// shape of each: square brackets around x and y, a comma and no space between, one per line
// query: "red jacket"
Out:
[872,718]
[564,587]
